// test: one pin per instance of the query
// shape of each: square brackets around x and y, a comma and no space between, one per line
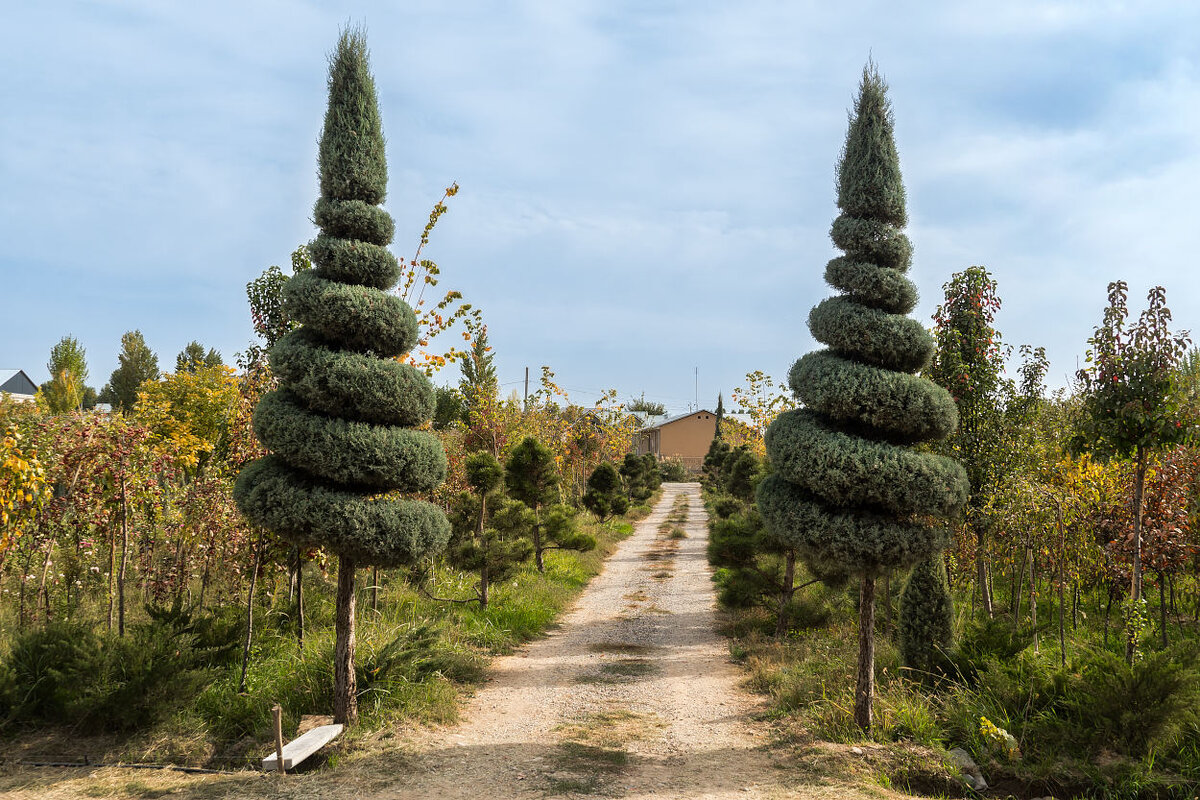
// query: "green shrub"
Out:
[1150,705]
[47,669]
[67,673]
[673,470]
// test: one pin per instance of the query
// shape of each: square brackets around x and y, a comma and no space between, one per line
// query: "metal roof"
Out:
[16,381]
[668,420]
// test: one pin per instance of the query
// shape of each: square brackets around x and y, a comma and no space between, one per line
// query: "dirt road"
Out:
[632,696]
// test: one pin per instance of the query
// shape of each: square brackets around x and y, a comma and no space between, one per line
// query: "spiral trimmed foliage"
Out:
[340,427]
[847,492]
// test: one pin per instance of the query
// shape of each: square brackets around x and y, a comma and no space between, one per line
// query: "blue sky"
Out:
[646,187]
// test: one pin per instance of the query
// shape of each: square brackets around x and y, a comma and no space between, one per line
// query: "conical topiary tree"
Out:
[340,427]
[926,619]
[847,491]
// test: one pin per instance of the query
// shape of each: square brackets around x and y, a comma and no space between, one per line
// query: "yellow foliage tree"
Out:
[189,413]
[22,488]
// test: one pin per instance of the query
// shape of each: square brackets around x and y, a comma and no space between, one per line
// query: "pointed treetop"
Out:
[351,159]
[720,414]
[868,172]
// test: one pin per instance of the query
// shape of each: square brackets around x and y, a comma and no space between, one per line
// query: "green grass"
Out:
[414,657]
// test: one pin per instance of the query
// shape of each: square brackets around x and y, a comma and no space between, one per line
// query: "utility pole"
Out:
[697,388]
[525,402]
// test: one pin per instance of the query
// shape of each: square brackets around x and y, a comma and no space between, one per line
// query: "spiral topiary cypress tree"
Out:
[848,492]
[340,427]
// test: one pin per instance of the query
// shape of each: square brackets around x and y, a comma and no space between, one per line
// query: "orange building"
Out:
[685,438]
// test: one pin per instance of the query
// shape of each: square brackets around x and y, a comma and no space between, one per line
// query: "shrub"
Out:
[673,470]
[1136,708]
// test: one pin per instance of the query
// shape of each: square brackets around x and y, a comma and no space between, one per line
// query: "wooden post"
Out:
[277,713]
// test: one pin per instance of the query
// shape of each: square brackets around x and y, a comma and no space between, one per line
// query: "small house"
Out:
[685,438]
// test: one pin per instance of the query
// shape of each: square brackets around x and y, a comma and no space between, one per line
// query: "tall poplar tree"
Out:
[66,388]
[848,491]
[341,427]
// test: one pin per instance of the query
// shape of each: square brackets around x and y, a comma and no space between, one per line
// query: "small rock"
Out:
[858,751]
[969,768]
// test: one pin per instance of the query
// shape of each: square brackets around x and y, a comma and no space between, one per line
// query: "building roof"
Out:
[15,381]
[653,423]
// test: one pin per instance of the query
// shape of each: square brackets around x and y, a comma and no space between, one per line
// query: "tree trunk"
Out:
[345,689]
[1062,624]
[43,594]
[982,571]
[1162,606]
[785,593]
[1135,588]
[124,561]
[864,692]
[299,599]
[375,589]
[887,601]
[537,546]
[208,557]
[24,585]
[1107,612]
[1075,605]
[1033,598]
[483,585]
[1062,577]
[250,612]
[1020,585]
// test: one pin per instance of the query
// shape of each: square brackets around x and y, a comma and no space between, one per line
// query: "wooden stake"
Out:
[277,712]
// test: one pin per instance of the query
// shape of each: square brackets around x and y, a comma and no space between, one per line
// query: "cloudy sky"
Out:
[646,187]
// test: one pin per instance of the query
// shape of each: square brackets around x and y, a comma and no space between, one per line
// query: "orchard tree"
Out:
[849,492]
[23,488]
[267,312]
[969,363]
[1131,406]
[342,426]
[137,364]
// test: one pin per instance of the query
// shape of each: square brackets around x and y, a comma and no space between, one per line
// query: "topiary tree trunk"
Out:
[341,425]
[848,492]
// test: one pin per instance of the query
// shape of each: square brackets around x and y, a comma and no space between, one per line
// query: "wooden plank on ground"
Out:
[301,748]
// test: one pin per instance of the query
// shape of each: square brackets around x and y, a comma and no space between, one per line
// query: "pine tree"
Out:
[487,530]
[848,492]
[604,495]
[479,383]
[531,477]
[720,415]
[341,426]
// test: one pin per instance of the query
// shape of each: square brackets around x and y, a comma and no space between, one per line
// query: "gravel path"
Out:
[633,696]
